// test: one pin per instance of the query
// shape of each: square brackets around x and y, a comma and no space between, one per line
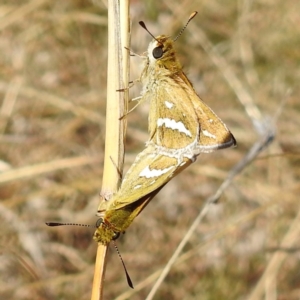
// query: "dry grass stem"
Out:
[115,128]
[44,168]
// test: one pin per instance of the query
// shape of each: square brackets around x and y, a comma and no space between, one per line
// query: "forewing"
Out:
[173,122]
[149,172]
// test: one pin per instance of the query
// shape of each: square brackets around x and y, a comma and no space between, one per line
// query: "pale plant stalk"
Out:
[117,78]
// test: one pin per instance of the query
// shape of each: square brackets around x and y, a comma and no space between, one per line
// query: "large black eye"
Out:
[157,52]
[116,236]
[99,222]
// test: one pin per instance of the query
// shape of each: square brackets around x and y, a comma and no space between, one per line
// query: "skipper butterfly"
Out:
[181,126]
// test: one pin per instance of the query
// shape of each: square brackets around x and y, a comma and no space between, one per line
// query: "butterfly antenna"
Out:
[127,275]
[144,26]
[52,224]
[192,16]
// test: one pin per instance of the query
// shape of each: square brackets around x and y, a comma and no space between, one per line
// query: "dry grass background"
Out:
[52,116]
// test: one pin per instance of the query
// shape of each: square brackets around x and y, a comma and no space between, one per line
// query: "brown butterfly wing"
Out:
[178,117]
[214,134]
[173,123]
[149,172]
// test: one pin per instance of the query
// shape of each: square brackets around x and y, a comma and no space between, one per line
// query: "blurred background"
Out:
[243,58]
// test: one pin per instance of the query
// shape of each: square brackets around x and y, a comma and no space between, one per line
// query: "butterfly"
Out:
[181,126]
[180,123]
[149,173]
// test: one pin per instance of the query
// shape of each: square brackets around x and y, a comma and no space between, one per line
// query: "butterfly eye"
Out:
[157,52]
[115,236]
[99,222]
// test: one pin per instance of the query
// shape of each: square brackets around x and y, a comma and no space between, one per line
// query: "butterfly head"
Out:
[161,53]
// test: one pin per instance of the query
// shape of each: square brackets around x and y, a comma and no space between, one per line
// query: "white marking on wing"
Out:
[169,104]
[154,173]
[173,125]
[137,187]
[208,134]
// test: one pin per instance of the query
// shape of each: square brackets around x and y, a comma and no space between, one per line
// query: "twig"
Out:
[117,71]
